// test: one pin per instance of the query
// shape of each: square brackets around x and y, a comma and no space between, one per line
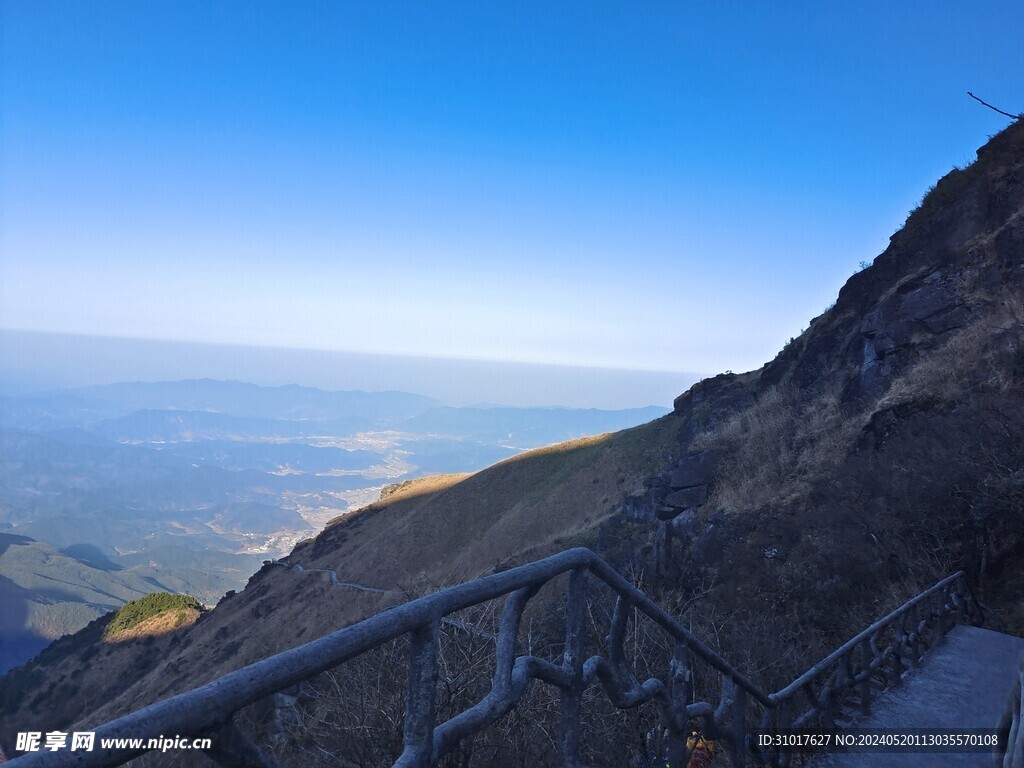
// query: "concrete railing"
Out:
[884,649]
[876,658]
[210,709]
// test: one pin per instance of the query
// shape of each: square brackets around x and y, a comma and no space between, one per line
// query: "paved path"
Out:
[332,574]
[963,683]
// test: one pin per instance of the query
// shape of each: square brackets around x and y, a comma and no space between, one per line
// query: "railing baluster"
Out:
[419,703]
[915,623]
[896,666]
[738,727]
[680,691]
[572,694]
[929,619]
[784,721]
[231,748]
[866,657]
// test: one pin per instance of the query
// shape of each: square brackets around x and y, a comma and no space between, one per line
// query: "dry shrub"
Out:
[982,355]
[773,450]
[789,440]
[963,363]
[352,715]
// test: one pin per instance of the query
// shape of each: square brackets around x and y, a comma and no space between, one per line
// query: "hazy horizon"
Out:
[33,362]
[665,187]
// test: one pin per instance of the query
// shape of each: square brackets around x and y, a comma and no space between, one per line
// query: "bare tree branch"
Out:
[996,109]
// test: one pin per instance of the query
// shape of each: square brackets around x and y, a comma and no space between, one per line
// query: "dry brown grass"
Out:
[783,444]
[774,449]
[450,529]
[411,489]
[971,359]
[161,624]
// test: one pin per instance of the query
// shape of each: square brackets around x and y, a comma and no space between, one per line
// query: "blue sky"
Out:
[656,185]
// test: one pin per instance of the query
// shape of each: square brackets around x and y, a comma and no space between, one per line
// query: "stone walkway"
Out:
[963,683]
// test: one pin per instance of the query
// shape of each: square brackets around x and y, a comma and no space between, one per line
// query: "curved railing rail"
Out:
[209,711]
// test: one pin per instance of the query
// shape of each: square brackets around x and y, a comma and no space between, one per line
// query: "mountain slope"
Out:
[45,594]
[402,543]
[779,509]
[136,489]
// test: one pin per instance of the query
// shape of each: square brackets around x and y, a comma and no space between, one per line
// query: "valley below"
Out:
[108,493]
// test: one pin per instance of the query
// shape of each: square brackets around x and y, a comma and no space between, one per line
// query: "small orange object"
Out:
[702,751]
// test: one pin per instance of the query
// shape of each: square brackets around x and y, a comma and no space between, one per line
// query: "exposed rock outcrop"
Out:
[958,253]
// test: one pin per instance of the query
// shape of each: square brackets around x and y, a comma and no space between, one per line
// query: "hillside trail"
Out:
[447,621]
[333,575]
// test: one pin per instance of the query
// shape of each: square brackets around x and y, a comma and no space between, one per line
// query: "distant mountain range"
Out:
[121,489]
[293,403]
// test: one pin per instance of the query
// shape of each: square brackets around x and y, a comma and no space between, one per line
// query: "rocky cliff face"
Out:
[959,252]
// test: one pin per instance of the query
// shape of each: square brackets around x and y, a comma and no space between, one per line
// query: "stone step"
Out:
[962,683]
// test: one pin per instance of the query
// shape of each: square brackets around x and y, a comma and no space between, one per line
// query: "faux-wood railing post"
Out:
[866,657]
[681,680]
[572,695]
[233,749]
[739,728]
[945,607]
[898,667]
[931,618]
[913,636]
[783,722]
[961,604]
[419,703]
